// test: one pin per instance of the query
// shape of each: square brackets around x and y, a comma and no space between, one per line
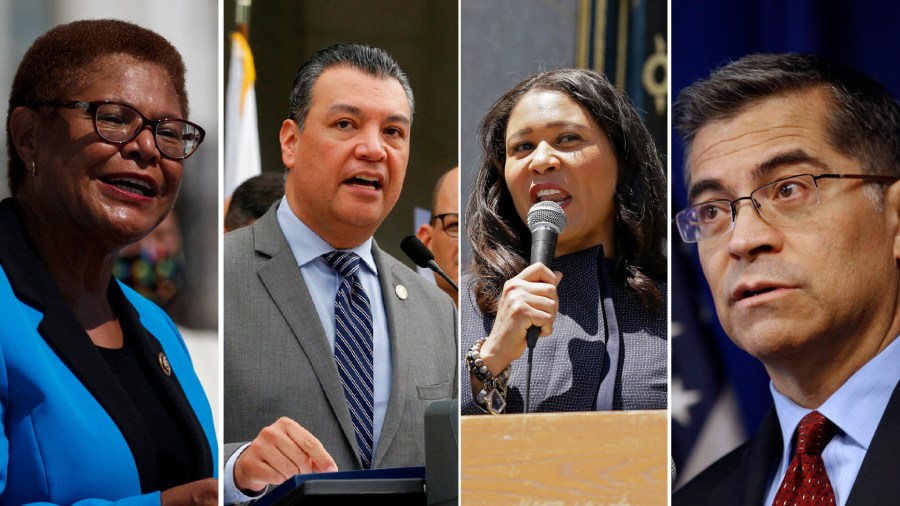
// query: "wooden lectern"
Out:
[609,458]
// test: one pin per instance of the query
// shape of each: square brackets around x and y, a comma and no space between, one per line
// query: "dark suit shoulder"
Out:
[716,484]
[740,477]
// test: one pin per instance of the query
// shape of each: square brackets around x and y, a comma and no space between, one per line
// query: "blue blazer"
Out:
[68,427]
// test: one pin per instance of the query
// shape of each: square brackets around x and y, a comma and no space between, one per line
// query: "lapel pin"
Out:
[164,364]
[401,292]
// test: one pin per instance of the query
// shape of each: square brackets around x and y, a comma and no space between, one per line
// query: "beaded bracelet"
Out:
[493,395]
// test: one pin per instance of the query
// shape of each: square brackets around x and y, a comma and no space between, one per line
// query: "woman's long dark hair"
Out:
[500,240]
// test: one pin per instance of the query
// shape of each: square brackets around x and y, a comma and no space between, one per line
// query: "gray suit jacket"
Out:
[278,361]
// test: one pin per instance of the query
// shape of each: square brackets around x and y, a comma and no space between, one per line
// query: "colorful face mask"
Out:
[157,277]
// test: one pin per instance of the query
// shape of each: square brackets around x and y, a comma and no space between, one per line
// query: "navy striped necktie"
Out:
[353,348]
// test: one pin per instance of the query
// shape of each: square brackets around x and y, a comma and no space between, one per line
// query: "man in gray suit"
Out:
[291,399]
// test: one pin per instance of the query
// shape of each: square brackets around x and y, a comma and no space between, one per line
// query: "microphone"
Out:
[546,221]
[422,256]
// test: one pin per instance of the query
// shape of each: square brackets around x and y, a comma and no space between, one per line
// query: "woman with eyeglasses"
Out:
[571,137]
[98,396]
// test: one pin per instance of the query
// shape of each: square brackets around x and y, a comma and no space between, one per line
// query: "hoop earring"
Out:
[33,169]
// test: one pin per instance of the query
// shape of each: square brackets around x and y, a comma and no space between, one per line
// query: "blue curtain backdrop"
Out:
[864,34]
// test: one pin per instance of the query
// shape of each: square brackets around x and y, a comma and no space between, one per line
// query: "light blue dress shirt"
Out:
[322,282]
[855,408]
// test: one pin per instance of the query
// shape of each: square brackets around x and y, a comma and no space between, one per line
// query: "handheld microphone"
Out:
[546,221]
[422,256]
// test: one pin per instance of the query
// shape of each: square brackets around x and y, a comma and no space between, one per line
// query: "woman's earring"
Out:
[33,169]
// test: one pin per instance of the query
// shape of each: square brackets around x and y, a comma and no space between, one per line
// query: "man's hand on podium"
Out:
[278,452]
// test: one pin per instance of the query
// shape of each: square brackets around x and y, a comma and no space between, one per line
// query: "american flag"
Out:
[718,391]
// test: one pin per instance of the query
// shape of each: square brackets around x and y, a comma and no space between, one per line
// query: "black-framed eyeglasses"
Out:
[449,223]
[120,123]
[774,202]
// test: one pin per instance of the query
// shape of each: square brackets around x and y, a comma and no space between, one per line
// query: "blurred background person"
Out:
[154,266]
[97,135]
[571,137]
[441,233]
[252,199]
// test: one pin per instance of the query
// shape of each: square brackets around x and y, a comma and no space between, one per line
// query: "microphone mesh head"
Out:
[548,212]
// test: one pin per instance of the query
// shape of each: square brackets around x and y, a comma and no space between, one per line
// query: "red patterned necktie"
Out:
[806,482]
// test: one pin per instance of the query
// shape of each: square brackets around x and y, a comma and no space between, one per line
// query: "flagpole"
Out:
[242,17]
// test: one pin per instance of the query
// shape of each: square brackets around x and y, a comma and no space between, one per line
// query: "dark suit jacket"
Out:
[742,477]
[278,361]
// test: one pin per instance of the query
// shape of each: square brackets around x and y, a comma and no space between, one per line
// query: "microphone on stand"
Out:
[423,257]
[546,221]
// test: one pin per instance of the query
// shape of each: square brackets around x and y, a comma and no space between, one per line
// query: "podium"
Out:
[591,458]
[396,486]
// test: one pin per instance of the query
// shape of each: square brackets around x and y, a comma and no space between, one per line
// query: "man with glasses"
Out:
[441,233]
[792,164]
[333,348]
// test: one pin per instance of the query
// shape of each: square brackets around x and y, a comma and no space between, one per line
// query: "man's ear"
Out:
[424,234]
[288,138]
[24,124]
[892,213]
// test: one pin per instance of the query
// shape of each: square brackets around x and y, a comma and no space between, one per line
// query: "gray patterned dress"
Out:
[607,350]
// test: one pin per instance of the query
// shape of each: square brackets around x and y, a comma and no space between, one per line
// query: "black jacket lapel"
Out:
[874,483]
[759,462]
[147,351]
[63,332]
